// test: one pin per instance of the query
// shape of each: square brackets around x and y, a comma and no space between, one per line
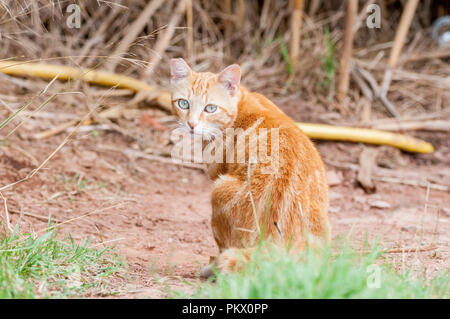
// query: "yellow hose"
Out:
[48,71]
[364,135]
[315,131]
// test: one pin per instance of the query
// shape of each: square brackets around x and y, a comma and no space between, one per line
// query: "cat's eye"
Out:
[183,104]
[210,108]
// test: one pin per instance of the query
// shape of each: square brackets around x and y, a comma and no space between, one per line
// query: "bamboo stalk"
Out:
[240,14]
[163,98]
[399,41]
[296,28]
[227,19]
[344,66]
[402,32]
[190,30]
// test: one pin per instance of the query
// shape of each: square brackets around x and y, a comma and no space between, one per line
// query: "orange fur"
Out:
[297,185]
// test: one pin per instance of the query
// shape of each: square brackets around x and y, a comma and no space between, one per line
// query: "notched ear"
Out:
[179,70]
[230,77]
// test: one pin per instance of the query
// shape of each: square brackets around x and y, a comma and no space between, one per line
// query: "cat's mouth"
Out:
[197,130]
[200,131]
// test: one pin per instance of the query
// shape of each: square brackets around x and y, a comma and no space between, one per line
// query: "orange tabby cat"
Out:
[288,194]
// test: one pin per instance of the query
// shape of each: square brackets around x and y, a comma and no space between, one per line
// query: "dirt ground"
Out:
[158,213]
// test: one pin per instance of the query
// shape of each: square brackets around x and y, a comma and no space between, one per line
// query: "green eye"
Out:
[183,104]
[210,108]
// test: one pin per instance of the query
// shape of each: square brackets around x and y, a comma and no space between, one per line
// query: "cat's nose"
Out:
[191,125]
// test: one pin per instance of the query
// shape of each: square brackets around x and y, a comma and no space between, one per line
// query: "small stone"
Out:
[408,228]
[334,178]
[379,204]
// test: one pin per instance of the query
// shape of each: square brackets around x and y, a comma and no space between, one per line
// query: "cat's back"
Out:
[297,155]
[256,109]
[254,106]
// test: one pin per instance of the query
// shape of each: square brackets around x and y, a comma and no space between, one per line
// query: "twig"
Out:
[435,54]
[377,91]
[8,221]
[59,129]
[135,28]
[436,125]
[41,217]
[108,241]
[362,15]
[365,89]
[403,249]
[164,41]
[133,154]
[98,210]
[435,80]
[424,184]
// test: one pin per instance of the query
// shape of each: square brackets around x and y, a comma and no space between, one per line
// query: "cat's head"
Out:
[204,102]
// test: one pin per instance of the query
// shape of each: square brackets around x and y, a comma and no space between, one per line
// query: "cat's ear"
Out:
[179,70]
[230,77]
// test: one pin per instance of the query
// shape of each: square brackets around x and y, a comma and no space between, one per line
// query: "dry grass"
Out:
[138,38]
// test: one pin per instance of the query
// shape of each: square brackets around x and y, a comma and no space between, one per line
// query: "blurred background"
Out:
[280,56]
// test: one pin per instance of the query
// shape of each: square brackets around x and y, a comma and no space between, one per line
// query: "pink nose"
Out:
[191,125]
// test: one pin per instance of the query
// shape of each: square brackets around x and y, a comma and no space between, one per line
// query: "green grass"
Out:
[329,61]
[285,54]
[47,267]
[321,275]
